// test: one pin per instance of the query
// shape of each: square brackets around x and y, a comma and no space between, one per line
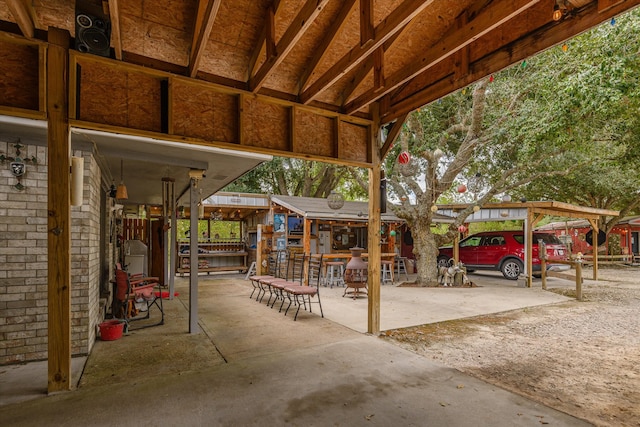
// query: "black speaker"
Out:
[93,34]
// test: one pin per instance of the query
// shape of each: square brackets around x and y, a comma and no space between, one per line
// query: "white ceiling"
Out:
[146,160]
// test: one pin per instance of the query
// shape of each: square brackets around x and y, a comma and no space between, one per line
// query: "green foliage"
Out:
[542,121]
[210,229]
[295,177]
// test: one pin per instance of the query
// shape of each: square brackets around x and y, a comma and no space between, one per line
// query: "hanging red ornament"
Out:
[462,228]
[404,158]
[462,188]
[491,79]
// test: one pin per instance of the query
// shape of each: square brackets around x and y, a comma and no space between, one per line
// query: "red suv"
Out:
[504,251]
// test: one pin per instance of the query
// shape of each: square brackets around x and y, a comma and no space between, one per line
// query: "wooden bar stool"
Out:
[401,267]
[335,273]
[386,273]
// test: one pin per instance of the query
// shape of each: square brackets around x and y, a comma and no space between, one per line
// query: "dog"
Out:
[445,275]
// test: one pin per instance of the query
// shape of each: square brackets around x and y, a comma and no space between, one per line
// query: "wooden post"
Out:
[59,212]
[579,280]
[528,239]
[374,249]
[595,246]
[456,248]
[543,270]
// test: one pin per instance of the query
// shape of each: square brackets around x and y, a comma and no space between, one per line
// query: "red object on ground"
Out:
[165,294]
[462,188]
[111,330]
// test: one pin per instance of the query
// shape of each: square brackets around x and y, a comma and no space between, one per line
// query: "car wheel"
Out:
[444,261]
[511,268]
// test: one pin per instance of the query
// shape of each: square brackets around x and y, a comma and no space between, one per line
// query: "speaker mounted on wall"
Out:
[93,34]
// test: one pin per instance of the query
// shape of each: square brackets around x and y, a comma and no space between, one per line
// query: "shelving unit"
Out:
[214,256]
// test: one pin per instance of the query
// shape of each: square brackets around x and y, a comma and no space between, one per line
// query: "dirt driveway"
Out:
[582,358]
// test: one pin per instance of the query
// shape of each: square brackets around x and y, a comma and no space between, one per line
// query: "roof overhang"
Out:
[146,160]
[519,211]
[317,208]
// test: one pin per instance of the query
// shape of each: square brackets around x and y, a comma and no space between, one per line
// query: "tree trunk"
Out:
[425,250]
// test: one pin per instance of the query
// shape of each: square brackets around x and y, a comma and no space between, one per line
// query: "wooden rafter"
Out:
[392,135]
[378,69]
[335,28]
[260,44]
[295,31]
[22,13]
[404,13]
[492,16]
[207,11]
[366,21]
[537,40]
[116,36]
[365,68]
[270,38]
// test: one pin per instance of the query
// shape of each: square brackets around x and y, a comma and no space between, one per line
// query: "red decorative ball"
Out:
[462,188]
[462,228]
[404,158]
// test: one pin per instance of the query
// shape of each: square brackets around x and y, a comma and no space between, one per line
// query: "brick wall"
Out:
[23,260]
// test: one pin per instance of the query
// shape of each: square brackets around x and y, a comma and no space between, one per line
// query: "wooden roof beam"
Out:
[24,15]
[392,135]
[366,21]
[294,33]
[337,25]
[207,11]
[116,35]
[261,41]
[396,20]
[534,42]
[270,34]
[492,16]
[365,68]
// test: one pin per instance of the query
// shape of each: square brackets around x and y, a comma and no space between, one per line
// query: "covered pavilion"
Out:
[530,213]
[152,84]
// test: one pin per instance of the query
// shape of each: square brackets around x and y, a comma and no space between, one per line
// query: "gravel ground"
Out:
[582,358]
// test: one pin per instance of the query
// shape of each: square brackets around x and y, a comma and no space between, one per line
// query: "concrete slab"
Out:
[409,306]
[270,370]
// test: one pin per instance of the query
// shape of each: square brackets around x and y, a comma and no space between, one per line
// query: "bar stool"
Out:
[401,266]
[386,274]
[335,273]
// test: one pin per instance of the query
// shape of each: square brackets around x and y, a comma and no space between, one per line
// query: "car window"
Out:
[493,241]
[547,238]
[471,241]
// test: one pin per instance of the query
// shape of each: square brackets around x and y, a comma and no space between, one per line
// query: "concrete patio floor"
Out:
[250,365]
